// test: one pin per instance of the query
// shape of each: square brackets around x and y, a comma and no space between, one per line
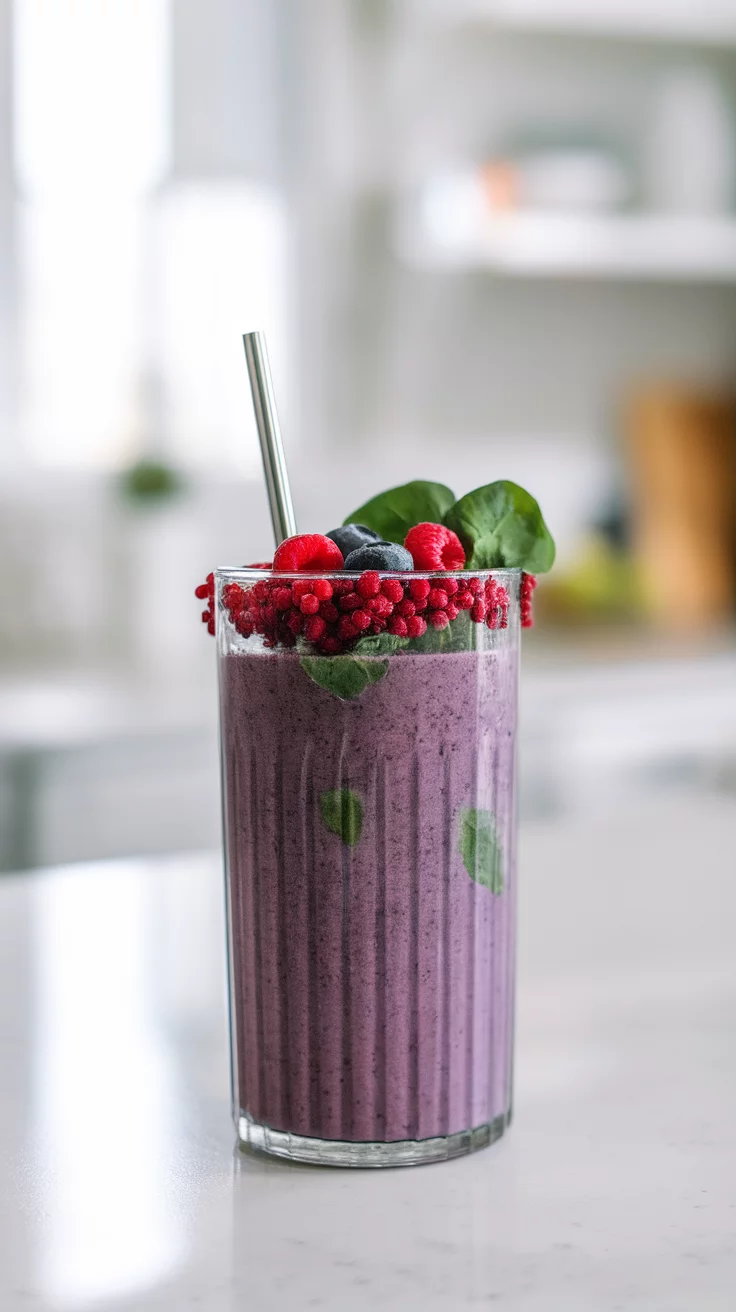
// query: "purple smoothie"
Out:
[372,983]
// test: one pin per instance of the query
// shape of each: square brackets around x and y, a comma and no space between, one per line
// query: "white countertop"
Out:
[614,1189]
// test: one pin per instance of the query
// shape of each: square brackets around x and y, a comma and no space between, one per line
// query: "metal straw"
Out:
[269,433]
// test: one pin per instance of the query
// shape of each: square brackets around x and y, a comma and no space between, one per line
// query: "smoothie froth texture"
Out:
[371,872]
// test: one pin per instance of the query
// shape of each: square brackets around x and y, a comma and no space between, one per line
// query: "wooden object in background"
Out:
[681,447]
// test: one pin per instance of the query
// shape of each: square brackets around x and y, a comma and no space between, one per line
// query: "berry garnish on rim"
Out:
[499,526]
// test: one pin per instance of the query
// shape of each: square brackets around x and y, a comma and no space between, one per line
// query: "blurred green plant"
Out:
[150,483]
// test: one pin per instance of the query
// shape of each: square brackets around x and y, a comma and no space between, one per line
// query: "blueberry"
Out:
[380,556]
[352,536]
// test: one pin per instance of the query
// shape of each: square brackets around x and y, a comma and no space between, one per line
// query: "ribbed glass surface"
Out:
[370,847]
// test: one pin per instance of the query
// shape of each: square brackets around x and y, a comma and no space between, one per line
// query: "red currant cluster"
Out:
[335,614]
[528,584]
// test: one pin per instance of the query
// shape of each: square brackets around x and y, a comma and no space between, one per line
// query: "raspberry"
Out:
[268,616]
[420,589]
[301,587]
[233,596]
[438,599]
[245,623]
[369,584]
[331,646]
[392,589]
[464,600]
[315,628]
[322,588]
[329,612]
[438,619]
[378,626]
[211,626]
[210,581]
[260,564]
[350,601]
[206,616]
[421,605]
[478,613]
[475,586]
[398,627]
[202,591]
[361,619]
[432,546]
[307,552]
[341,586]
[295,621]
[286,637]
[451,612]
[451,586]
[407,608]
[416,627]
[262,590]
[309,604]
[282,598]
[346,629]
[380,606]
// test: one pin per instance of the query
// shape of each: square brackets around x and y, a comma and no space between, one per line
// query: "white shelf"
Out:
[711,22]
[662,247]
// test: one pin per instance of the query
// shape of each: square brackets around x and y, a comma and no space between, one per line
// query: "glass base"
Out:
[403,1152]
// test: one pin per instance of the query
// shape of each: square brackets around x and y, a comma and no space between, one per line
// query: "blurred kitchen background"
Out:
[487,238]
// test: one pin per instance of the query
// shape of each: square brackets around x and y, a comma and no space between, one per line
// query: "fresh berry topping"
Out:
[398,626]
[206,616]
[475,586]
[438,619]
[295,621]
[380,606]
[211,626]
[322,588]
[451,611]
[361,619]
[315,628]
[202,591]
[432,546]
[451,586]
[341,586]
[380,556]
[393,589]
[309,604]
[301,587]
[464,600]
[260,564]
[416,627]
[307,553]
[346,629]
[528,584]
[406,608]
[350,601]
[438,599]
[329,612]
[331,646]
[282,598]
[245,623]
[478,612]
[369,584]
[420,589]
[350,537]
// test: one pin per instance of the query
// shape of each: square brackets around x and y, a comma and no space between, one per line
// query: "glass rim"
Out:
[235,572]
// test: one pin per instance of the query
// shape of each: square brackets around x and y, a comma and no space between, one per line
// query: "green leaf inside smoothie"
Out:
[501,527]
[346,677]
[479,848]
[380,644]
[393,513]
[342,812]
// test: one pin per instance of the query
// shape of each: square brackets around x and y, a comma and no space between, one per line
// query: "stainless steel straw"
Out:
[269,433]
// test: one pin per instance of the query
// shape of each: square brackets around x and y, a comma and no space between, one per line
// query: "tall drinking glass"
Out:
[370,840]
